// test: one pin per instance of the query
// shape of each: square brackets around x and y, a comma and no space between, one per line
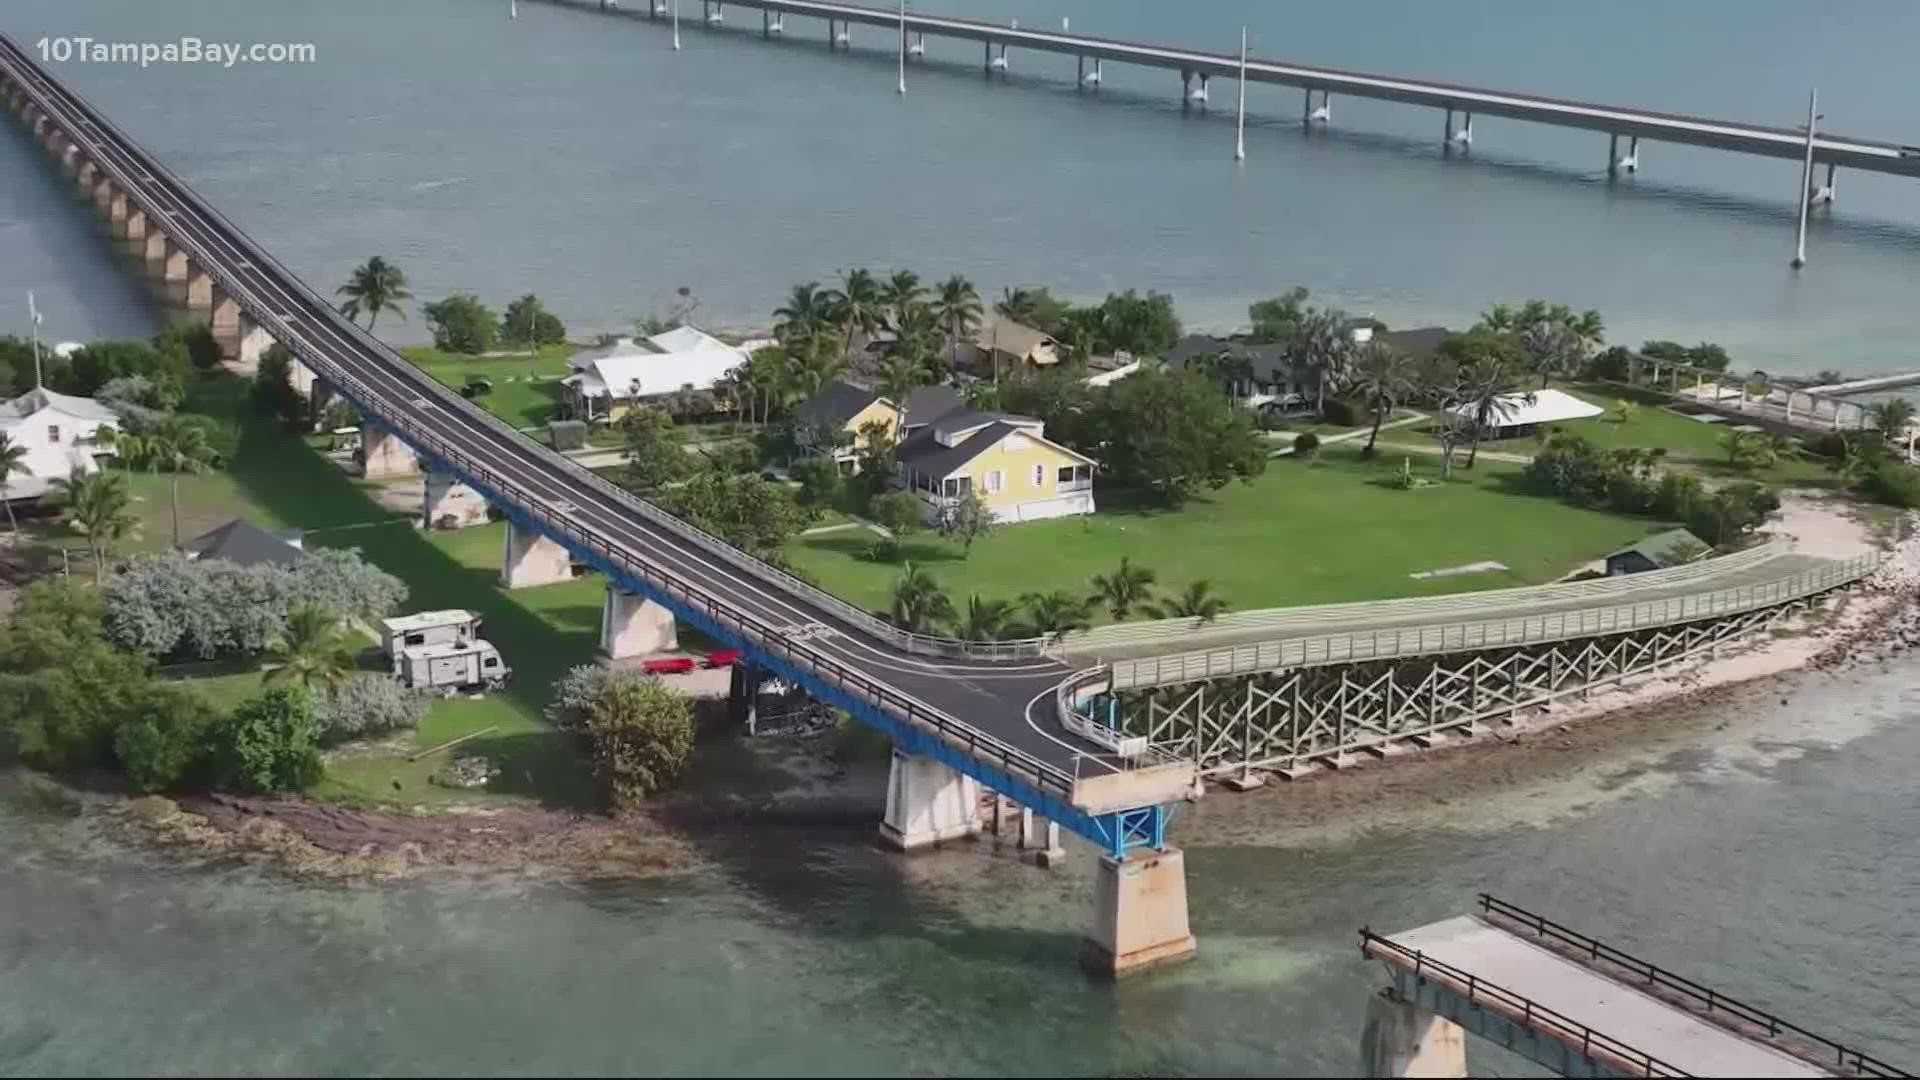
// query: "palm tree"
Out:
[856,304]
[1487,385]
[1589,331]
[806,314]
[920,606]
[1197,602]
[957,305]
[901,292]
[1122,590]
[985,620]
[1891,417]
[316,647]
[97,507]
[898,380]
[376,286]
[181,447]
[919,339]
[126,446]
[1383,377]
[1020,305]
[1320,347]
[1056,612]
[13,462]
[1550,346]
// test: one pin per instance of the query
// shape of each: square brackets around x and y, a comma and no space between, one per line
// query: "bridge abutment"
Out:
[632,625]
[383,455]
[1403,1039]
[928,804]
[1139,914]
[532,559]
[450,504]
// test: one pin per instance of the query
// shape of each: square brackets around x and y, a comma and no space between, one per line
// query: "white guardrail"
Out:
[1340,648]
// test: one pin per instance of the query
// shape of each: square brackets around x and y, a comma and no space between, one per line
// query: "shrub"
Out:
[1677,496]
[642,737]
[273,393]
[462,324]
[1892,483]
[885,549]
[167,740]
[267,744]
[819,479]
[1344,413]
[1306,445]
[574,694]
[367,704]
[897,511]
[1732,512]
[165,605]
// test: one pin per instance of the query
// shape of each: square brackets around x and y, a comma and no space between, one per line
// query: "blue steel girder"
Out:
[1115,833]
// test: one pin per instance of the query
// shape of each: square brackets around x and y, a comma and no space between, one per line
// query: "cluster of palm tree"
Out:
[1554,338]
[820,324]
[98,506]
[921,606]
[176,445]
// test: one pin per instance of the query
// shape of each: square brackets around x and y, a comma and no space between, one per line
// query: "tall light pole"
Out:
[903,47]
[1806,182]
[676,25]
[1240,123]
[513,9]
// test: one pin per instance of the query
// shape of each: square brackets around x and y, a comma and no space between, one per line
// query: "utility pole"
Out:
[676,25]
[1240,124]
[1806,183]
[33,320]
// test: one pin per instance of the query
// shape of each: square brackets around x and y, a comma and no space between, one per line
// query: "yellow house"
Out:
[834,421]
[1006,459]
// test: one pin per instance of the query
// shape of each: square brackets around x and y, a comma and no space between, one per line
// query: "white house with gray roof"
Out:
[61,434]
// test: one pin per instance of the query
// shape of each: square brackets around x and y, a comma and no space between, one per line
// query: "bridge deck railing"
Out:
[1473,635]
[1527,1012]
[1706,998]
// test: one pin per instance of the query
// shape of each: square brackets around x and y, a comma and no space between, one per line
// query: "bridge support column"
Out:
[308,385]
[531,559]
[1402,1039]
[1824,193]
[384,455]
[1040,838]
[632,625]
[918,47]
[1186,85]
[1465,137]
[103,195]
[252,342]
[450,504]
[224,321]
[69,153]
[928,804]
[743,696]
[159,255]
[135,227]
[88,175]
[199,289]
[1631,162]
[1139,914]
[1613,155]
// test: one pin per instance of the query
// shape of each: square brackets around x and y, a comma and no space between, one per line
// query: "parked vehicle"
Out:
[457,665]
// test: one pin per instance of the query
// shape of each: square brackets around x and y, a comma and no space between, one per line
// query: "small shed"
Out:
[1657,552]
[567,434]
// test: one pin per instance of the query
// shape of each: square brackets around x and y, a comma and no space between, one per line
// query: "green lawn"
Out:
[525,390]
[1689,443]
[1300,534]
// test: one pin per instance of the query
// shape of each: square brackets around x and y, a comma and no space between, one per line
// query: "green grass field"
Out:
[1300,534]
[525,390]
[1689,443]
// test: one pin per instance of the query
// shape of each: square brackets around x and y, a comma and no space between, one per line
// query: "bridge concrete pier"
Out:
[1309,113]
[918,46]
[450,504]
[135,227]
[251,343]
[199,289]
[308,385]
[632,625]
[532,559]
[1040,838]
[383,455]
[1403,1039]
[999,62]
[1139,914]
[223,319]
[154,253]
[743,695]
[928,804]
[716,14]
[86,175]
[1823,193]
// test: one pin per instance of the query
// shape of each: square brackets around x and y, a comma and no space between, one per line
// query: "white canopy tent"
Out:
[1514,414]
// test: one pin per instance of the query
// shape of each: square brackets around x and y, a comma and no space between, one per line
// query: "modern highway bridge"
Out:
[1037,721]
[1616,121]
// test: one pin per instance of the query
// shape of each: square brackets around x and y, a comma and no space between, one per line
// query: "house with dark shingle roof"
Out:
[1004,458]
[245,543]
[831,421]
